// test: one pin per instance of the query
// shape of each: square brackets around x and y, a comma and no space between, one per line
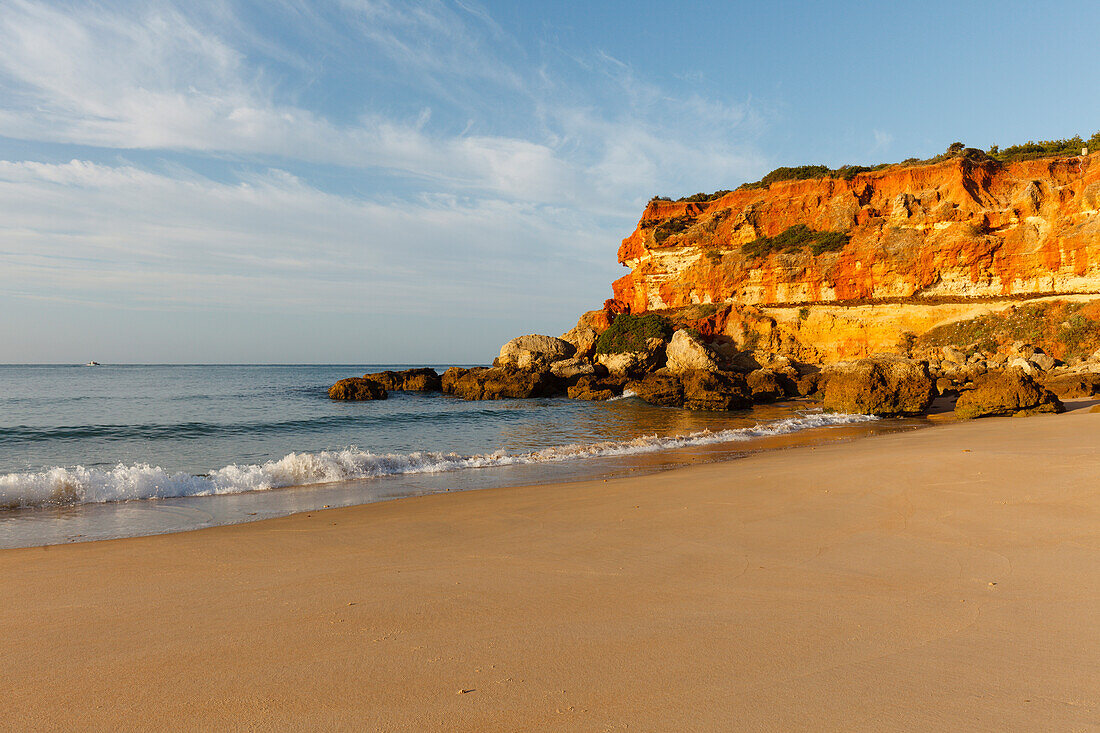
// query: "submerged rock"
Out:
[1009,392]
[357,388]
[880,385]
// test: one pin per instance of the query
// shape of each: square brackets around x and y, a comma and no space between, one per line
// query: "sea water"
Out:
[111,451]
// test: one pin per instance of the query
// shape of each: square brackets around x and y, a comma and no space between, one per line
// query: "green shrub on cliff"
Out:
[668,227]
[630,332]
[796,238]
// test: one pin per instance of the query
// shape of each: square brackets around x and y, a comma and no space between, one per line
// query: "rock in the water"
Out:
[767,386]
[572,368]
[659,389]
[591,388]
[686,352]
[357,388]
[633,363]
[496,383]
[879,385]
[409,380]
[533,350]
[451,377]
[1074,386]
[1009,392]
[709,390]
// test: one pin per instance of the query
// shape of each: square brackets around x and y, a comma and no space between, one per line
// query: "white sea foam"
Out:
[80,485]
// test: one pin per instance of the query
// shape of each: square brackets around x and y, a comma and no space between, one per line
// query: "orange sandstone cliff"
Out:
[927,244]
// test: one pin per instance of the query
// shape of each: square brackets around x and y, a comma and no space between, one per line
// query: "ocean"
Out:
[113,451]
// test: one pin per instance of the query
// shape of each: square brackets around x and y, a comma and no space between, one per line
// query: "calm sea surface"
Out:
[109,451]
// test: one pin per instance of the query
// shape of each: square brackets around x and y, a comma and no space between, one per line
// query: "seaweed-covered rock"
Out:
[409,380]
[659,389]
[1008,392]
[879,385]
[710,390]
[357,388]
[496,383]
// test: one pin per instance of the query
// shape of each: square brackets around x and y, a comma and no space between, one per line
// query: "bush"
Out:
[630,332]
[794,239]
[668,227]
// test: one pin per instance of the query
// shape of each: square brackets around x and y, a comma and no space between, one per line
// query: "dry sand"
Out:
[945,579]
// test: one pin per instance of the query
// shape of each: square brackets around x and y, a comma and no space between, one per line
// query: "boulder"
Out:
[583,339]
[533,350]
[1008,392]
[634,363]
[810,384]
[1043,361]
[947,387]
[357,388]
[659,389]
[767,386]
[409,380]
[1081,385]
[451,377]
[494,383]
[710,390]
[572,368]
[686,352]
[591,388]
[879,385]
[1023,365]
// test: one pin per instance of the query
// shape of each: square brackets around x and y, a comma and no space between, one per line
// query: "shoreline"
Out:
[99,521]
[936,579]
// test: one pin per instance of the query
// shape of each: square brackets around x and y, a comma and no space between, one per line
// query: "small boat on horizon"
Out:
[92,363]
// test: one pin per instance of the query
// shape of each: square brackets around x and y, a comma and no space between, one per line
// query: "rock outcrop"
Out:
[358,389]
[533,351]
[686,352]
[880,385]
[408,380]
[1008,392]
[712,390]
[495,383]
[909,247]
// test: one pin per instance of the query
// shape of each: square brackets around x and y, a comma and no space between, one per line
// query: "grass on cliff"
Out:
[630,332]
[794,239]
[1064,330]
[1030,150]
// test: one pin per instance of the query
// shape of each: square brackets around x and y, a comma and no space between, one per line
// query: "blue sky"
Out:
[361,181]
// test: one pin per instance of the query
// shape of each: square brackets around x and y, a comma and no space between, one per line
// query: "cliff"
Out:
[908,248]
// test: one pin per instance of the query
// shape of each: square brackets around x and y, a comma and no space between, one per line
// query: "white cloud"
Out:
[110,234]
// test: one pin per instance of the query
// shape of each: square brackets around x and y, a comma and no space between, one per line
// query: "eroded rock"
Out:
[1008,392]
[879,385]
[358,389]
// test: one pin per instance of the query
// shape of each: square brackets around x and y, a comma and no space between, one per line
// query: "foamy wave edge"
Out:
[80,485]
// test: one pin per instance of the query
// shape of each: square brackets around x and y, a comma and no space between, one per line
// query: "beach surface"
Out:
[943,579]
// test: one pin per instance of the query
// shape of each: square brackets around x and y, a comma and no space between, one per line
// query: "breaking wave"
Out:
[81,485]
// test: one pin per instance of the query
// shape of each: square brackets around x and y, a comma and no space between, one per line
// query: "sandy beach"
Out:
[944,579]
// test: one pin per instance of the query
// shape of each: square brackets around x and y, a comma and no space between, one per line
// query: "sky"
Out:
[361,181]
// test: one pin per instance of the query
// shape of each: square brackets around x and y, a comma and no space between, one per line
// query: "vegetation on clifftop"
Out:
[796,238]
[630,332]
[1030,150]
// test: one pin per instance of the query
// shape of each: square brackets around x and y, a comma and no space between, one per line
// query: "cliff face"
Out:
[969,234]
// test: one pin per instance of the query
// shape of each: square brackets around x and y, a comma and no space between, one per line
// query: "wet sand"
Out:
[942,579]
